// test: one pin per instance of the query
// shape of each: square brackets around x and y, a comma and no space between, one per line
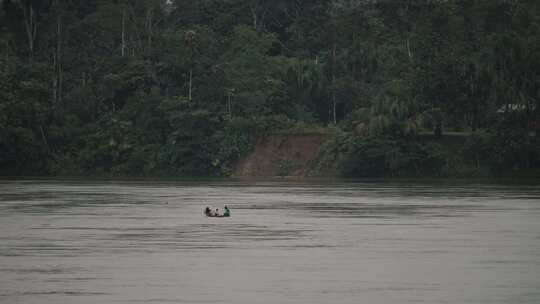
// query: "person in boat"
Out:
[217,212]
[227,212]
[207,211]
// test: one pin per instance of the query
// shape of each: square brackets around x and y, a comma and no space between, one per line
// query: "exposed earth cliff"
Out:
[281,155]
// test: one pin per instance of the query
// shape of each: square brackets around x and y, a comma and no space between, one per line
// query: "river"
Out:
[75,241]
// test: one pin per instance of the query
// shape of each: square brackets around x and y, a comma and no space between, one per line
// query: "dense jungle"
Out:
[183,88]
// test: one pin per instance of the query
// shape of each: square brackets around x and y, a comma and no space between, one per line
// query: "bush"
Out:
[232,142]
[23,152]
[287,166]
[380,157]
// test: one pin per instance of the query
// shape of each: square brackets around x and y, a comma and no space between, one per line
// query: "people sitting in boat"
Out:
[215,213]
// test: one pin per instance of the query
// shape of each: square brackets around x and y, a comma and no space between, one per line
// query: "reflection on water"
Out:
[286,242]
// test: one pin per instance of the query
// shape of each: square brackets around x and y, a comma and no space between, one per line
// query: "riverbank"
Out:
[342,154]
[291,155]
[314,153]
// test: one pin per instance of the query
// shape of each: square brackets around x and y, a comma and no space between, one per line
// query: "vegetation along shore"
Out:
[270,88]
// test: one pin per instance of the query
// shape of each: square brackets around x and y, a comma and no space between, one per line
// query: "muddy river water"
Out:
[74,241]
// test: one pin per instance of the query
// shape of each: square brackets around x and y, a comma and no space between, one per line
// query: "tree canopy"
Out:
[152,87]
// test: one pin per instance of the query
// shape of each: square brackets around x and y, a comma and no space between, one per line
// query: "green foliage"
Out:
[387,157]
[233,142]
[152,88]
[22,153]
[287,166]
[332,153]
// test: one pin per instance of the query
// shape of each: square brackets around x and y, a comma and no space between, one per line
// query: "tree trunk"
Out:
[60,86]
[30,23]
[54,83]
[438,129]
[45,141]
[258,15]
[301,74]
[229,106]
[139,41]
[334,106]
[409,48]
[149,29]
[59,59]
[7,50]
[254,16]
[334,47]
[57,68]
[123,31]
[190,83]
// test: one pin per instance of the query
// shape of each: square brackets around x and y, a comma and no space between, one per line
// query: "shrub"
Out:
[382,156]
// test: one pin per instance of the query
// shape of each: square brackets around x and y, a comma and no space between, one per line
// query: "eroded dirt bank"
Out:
[281,155]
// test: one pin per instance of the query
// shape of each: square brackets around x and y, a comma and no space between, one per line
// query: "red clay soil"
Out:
[278,155]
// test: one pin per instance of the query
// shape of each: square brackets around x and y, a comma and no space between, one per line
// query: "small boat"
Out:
[218,215]
[208,212]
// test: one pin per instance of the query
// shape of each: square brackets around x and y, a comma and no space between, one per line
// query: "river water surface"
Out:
[286,242]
